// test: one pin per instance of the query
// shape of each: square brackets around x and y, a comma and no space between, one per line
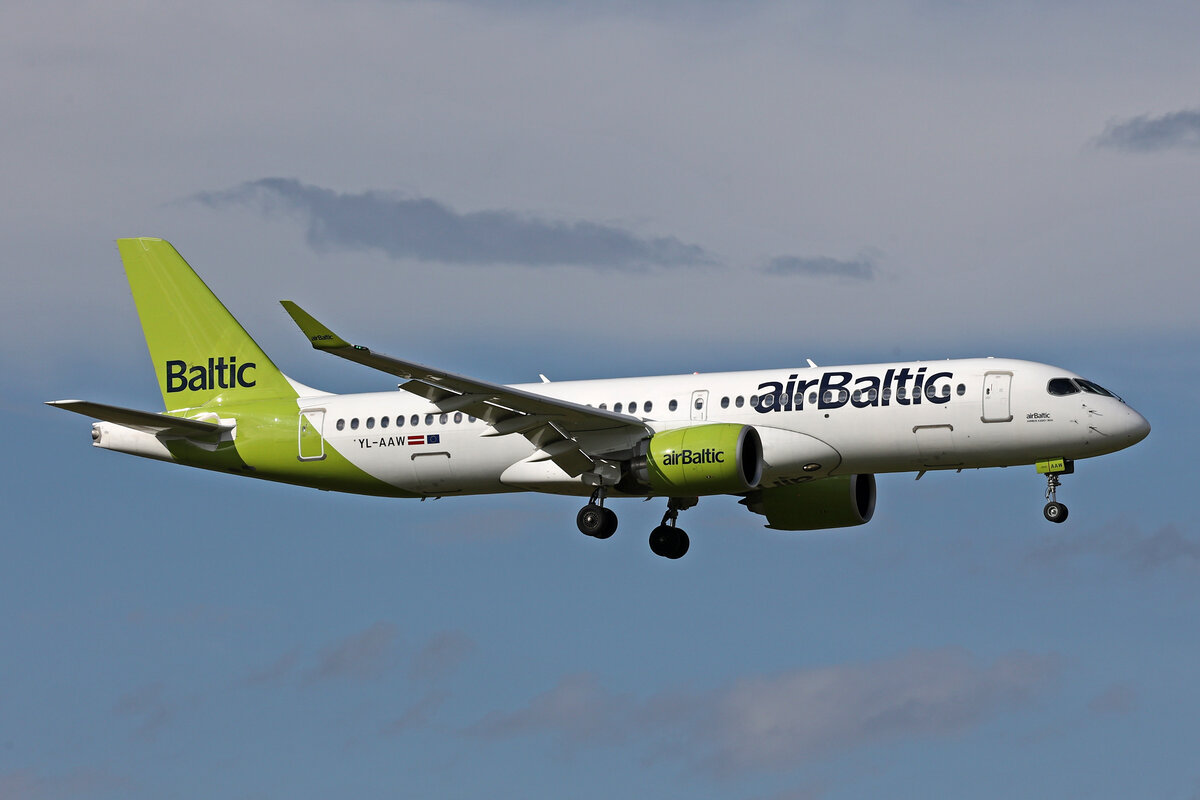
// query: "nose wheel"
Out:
[594,519]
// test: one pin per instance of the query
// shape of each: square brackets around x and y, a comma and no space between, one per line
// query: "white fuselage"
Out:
[814,422]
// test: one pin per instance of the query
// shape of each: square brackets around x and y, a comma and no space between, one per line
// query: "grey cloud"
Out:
[275,673]
[1126,542]
[441,655]
[578,708]
[363,655]
[148,707]
[1146,134]
[80,782]
[788,718]
[861,269]
[417,716]
[1119,699]
[783,720]
[428,230]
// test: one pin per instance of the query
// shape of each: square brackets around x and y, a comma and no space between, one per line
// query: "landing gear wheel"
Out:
[590,519]
[596,521]
[1055,512]
[669,542]
[609,526]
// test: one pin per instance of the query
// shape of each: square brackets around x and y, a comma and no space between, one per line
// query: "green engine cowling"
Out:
[701,460]
[837,502]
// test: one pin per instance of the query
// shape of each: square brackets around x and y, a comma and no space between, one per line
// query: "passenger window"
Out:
[827,397]
[354,424]
[812,398]
[617,407]
[902,393]
[874,393]
[946,391]
[887,394]
[724,402]
[647,406]
[674,404]
[442,419]
[341,424]
[383,422]
[457,417]
[429,419]
[739,401]
[604,406]
[767,400]
[699,403]
[633,407]
[962,389]
[414,420]
[399,420]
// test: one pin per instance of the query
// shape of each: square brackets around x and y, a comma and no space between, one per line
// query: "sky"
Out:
[597,189]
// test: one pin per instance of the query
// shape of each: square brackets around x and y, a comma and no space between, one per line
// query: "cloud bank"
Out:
[861,269]
[783,720]
[425,229]
[1178,130]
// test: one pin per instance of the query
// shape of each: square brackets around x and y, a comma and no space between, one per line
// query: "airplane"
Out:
[800,446]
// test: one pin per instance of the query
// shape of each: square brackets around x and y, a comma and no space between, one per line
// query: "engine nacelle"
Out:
[721,458]
[837,502]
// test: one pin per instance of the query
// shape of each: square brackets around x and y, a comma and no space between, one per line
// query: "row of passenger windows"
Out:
[413,421]
[756,401]
[830,396]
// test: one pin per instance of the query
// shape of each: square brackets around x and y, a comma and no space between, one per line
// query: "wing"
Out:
[562,430]
[148,421]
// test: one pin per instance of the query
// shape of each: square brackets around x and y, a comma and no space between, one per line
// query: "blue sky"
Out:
[590,190]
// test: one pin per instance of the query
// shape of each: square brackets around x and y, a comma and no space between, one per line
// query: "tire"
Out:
[680,545]
[608,524]
[1055,512]
[660,540]
[590,520]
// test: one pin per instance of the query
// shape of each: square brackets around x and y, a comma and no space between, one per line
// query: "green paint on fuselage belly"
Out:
[267,447]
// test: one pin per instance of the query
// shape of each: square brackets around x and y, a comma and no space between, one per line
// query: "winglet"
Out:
[321,337]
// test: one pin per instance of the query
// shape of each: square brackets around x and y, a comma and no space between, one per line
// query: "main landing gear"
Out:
[666,540]
[1054,510]
[596,520]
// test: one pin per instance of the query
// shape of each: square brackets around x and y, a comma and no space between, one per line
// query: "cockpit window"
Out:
[1095,388]
[1060,387]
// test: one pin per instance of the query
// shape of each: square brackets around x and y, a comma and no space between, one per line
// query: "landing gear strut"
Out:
[667,540]
[596,520]
[1054,510]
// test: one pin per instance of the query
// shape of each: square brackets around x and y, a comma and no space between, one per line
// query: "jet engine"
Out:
[699,460]
[837,502]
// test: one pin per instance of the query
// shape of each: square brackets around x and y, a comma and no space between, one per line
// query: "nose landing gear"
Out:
[1054,510]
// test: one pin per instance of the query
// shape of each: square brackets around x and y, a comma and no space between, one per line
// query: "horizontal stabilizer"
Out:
[147,421]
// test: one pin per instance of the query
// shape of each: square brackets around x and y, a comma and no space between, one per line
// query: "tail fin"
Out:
[201,354]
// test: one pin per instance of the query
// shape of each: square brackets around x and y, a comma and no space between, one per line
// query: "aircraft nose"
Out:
[1135,427]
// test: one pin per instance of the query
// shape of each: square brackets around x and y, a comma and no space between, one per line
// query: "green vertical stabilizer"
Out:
[201,355]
